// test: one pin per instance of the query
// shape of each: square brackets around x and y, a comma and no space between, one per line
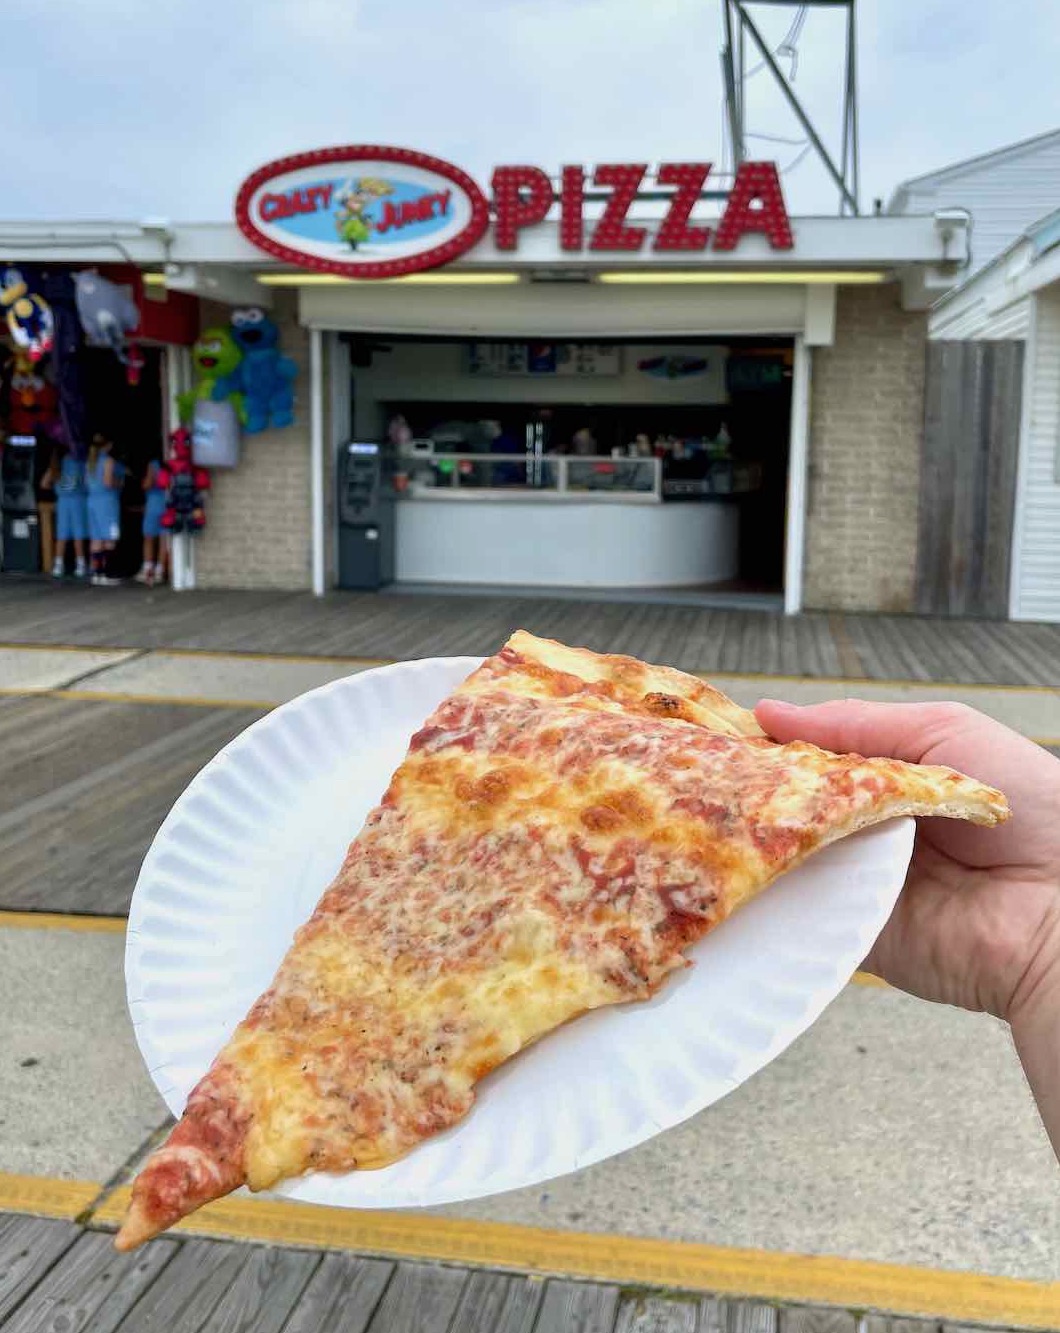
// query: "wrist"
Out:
[1035,1005]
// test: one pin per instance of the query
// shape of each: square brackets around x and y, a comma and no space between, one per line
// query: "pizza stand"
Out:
[571,378]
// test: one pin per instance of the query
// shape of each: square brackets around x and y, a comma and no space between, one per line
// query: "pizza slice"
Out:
[563,827]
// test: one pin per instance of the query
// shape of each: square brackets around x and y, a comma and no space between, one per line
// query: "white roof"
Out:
[1023,148]
[978,306]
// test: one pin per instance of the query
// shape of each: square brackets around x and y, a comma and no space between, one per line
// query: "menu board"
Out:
[544,359]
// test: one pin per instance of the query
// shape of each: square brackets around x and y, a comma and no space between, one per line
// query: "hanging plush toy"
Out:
[33,402]
[216,357]
[266,376]
[185,484]
[29,317]
[107,313]
[214,408]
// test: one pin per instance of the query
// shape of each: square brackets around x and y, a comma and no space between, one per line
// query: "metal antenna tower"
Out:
[742,32]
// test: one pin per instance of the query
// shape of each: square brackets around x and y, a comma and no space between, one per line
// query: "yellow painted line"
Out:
[274,657]
[195,652]
[115,925]
[851,1283]
[46,1196]
[885,681]
[207,701]
[124,697]
[87,925]
[62,648]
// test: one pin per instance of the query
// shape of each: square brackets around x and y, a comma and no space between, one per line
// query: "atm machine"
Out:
[18,502]
[367,518]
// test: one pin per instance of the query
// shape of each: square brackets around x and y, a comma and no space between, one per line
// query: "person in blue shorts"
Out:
[153,569]
[103,476]
[67,476]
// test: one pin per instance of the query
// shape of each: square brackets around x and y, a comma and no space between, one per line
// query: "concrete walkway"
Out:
[227,679]
[892,1131]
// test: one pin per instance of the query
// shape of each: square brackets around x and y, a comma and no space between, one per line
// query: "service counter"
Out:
[554,539]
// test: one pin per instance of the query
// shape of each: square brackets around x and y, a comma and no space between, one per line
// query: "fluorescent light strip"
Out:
[412,280]
[153,279]
[719,277]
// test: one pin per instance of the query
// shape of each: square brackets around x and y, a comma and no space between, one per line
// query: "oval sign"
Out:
[362,211]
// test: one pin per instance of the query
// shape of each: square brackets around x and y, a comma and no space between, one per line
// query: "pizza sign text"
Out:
[524,196]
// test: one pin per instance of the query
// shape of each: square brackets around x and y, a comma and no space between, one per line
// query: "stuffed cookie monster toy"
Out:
[266,376]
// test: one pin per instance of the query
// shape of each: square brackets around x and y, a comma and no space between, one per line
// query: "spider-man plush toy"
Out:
[185,484]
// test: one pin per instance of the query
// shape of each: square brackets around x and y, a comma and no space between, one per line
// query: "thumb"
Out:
[855,726]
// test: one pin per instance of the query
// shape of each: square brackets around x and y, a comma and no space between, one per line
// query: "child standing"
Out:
[103,476]
[71,511]
[153,569]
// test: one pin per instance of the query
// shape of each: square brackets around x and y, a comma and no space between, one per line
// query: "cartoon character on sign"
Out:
[29,317]
[351,217]
[265,375]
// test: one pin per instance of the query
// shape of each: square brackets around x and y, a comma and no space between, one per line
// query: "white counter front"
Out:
[606,542]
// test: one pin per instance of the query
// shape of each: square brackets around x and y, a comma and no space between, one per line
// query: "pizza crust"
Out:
[564,826]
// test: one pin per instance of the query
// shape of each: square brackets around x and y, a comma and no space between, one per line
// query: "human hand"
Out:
[978,921]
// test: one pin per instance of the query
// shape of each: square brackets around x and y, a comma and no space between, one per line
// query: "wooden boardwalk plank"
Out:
[727,1316]
[264,1293]
[405,625]
[645,1313]
[188,1289]
[29,1246]
[498,1303]
[805,1320]
[577,1307]
[92,1288]
[420,1298]
[77,847]
[342,1295]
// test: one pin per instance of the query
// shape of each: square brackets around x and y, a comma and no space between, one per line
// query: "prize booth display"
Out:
[83,375]
[91,421]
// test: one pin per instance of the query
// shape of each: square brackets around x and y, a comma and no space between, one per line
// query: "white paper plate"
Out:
[251,844]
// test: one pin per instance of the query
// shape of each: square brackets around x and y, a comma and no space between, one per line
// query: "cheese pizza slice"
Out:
[562,828]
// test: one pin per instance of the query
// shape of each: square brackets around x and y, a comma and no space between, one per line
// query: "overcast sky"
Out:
[128,108]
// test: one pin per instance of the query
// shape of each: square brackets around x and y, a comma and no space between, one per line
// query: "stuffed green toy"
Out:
[216,357]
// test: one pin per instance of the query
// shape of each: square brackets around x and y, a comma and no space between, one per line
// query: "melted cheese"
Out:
[551,844]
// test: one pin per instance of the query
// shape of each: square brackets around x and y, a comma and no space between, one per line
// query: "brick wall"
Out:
[258,530]
[866,427]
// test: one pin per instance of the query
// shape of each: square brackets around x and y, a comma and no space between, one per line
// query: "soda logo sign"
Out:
[363,211]
[373,212]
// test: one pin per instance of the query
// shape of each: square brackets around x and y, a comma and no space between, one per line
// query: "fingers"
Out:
[894,731]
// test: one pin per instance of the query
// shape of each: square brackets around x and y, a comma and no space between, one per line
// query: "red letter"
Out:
[611,232]
[390,218]
[272,207]
[674,232]
[521,197]
[571,201]
[755,204]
